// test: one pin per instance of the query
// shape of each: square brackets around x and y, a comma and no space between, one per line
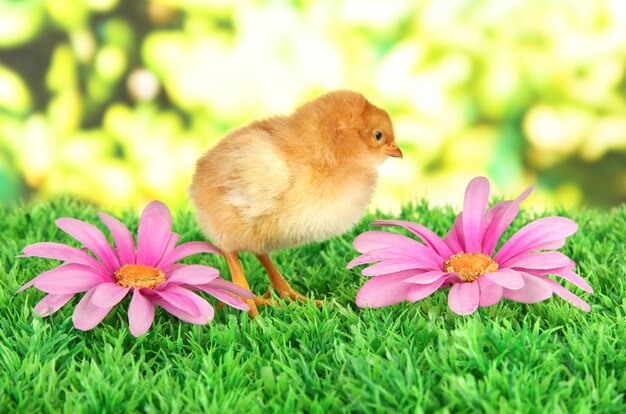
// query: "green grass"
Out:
[417,357]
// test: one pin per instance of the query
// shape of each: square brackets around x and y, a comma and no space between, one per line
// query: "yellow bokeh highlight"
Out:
[114,104]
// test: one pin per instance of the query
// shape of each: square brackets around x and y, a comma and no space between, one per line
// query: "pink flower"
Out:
[464,258]
[149,273]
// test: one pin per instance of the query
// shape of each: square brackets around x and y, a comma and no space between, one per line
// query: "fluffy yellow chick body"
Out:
[261,201]
[285,181]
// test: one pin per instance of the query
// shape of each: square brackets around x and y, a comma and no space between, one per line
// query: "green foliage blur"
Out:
[113,101]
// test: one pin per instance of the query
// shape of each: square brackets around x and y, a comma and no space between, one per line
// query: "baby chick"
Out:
[288,180]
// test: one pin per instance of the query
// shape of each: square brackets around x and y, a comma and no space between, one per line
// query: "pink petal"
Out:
[187,249]
[182,298]
[566,294]
[507,278]
[463,298]
[573,278]
[63,252]
[453,278]
[180,302]
[174,267]
[454,237]
[69,279]
[123,239]
[494,214]
[203,317]
[395,265]
[153,234]
[566,273]
[538,261]
[544,233]
[33,280]
[107,295]
[87,315]
[378,255]
[422,254]
[428,236]
[92,238]
[490,293]
[228,287]
[534,290]
[169,248]
[193,275]
[376,240]
[51,303]
[227,298]
[140,314]
[384,290]
[499,217]
[419,292]
[474,208]
[425,278]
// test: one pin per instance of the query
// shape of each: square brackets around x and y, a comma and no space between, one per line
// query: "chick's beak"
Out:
[393,151]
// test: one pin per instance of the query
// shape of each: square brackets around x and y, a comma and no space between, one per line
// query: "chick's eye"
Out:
[378,135]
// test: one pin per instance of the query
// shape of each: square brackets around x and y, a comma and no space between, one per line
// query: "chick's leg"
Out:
[238,278]
[278,281]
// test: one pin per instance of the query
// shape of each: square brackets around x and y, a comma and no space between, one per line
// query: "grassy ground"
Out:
[418,357]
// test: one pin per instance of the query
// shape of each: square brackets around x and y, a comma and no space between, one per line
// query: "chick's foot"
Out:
[265,301]
[293,295]
[280,284]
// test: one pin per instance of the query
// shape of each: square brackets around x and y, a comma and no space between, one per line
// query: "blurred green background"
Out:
[113,101]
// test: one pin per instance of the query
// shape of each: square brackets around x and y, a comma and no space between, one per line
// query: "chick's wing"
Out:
[254,175]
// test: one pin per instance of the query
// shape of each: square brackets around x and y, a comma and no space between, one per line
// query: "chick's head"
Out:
[376,132]
[369,135]
[359,131]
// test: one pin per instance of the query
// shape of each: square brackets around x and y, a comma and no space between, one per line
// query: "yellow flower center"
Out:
[470,266]
[139,276]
